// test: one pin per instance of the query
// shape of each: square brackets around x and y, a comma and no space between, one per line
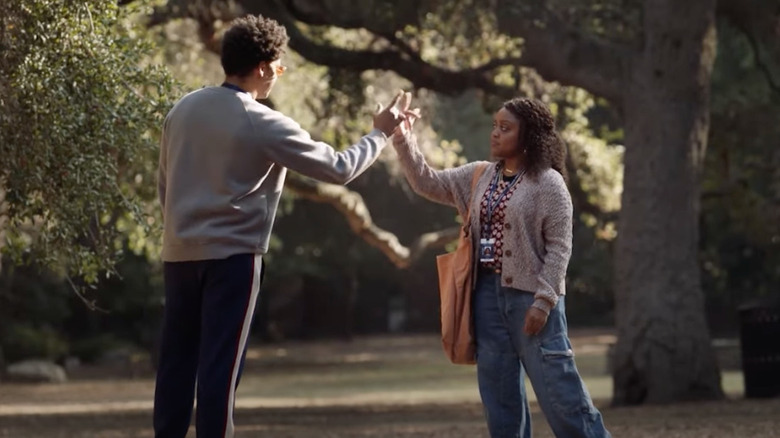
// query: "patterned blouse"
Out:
[497,219]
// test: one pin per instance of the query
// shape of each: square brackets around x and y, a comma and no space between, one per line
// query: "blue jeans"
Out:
[505,354]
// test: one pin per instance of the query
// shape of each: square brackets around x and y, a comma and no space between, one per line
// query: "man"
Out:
[223,160]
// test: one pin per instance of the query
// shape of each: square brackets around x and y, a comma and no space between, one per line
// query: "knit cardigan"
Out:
[538,225]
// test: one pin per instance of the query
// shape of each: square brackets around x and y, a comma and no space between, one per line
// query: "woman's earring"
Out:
[525,151]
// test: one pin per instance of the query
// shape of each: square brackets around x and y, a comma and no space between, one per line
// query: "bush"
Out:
[23,341]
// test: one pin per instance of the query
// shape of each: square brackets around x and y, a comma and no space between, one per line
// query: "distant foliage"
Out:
[740,249]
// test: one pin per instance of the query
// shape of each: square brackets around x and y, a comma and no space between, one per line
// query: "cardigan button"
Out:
[507,226]
[508,253]
[509,280]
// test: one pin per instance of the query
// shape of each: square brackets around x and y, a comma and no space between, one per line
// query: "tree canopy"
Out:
[79,112]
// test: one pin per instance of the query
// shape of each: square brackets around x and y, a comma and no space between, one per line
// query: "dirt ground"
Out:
[738,419]
[378,387]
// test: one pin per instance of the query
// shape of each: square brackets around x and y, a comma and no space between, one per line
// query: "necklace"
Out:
[508,172]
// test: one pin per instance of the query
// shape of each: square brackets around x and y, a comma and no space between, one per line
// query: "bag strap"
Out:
[474,179]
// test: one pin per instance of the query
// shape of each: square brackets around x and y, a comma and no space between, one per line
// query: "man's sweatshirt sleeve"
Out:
[286,143]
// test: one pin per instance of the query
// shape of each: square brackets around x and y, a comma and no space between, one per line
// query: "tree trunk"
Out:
[664,352]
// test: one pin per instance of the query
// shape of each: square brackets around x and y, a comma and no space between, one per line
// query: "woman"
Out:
[524,244]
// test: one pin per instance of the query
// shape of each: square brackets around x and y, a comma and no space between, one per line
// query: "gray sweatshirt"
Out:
[223,160]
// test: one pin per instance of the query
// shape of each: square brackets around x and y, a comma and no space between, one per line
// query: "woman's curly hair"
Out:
[542,146]
[249,41]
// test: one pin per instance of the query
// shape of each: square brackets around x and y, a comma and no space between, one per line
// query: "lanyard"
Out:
[491,206]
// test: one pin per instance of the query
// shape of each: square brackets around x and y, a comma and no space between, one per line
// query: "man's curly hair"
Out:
[249,41]
[542,146]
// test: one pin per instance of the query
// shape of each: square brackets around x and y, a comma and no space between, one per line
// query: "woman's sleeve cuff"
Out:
[542,304]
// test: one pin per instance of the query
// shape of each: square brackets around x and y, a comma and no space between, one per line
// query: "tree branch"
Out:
[760,64]
[350,204]
[403,62]
[420,73]
[759,22]
[205,12]
[403,47]
[559,53]
[556,51]
[382,17]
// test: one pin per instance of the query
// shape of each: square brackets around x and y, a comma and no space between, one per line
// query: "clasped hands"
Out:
[397,118]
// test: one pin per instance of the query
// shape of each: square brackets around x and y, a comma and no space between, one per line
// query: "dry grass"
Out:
[372,387]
